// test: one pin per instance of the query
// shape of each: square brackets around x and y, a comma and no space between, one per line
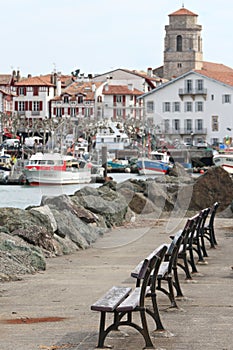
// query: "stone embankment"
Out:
[65,224]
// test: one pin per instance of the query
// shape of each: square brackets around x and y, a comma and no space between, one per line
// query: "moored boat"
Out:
[56,169]
[157,163]
[225,160]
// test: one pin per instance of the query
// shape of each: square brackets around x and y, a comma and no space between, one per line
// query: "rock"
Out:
[17,257]
[214,185]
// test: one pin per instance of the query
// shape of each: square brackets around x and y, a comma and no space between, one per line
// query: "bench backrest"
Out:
[213,211]
[149,267]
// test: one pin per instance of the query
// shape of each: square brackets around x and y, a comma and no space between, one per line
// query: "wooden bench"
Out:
[167,272]
[123,302]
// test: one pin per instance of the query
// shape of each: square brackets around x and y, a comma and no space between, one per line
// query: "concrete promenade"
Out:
[61,296]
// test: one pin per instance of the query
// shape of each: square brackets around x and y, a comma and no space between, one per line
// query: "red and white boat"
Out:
[56,169]
[225,160]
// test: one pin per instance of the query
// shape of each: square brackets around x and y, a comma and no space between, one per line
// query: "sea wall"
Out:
[66,224]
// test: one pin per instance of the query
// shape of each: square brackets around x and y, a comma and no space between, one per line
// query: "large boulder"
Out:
[18,257]
[215,185]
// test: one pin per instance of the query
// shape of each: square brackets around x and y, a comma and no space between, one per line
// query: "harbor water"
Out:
[17,196]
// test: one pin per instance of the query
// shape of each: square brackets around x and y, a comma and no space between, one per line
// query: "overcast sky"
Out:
[96,36]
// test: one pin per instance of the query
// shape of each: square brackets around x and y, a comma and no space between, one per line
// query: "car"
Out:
[202,144]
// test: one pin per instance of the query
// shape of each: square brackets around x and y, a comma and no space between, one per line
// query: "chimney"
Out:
[149,72]
[18,76]
[29,75]
[58,87]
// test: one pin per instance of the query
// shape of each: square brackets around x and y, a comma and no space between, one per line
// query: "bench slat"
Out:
[132,301]
[111,299]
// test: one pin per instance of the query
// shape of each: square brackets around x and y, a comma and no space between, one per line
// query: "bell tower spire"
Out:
[183,44]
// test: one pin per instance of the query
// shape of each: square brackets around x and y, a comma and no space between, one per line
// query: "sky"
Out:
[97,36]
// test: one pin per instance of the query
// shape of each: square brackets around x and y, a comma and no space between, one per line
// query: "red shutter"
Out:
[26,106]
[83,111]
[123,100]
[68,110]
[16,105]
[25,91]
[114,100]
[77,111]
[62,111]
[54,111]
[41,105]
[30,105]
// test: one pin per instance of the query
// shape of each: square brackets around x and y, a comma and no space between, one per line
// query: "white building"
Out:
[196,106]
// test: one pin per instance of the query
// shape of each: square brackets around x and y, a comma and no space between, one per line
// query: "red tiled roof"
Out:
[121,90]
[84,88]
[33,81]
[218,72]
[183,12]
[5,79]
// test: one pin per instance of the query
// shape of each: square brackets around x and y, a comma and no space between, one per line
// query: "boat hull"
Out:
[149,167]
[225,161]
[47,177]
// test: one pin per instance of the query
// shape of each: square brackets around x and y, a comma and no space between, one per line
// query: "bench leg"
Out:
[185,268]
[155,313]
[102,333]
[177,283]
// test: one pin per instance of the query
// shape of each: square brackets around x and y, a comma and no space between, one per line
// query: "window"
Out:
[212,97]
[179,43]
[179,65]
[21,106]
[36,105]
[199,106]
[80,99]
[176,124]
[21,91]
[150,106]
[188,125]
[188,85]
[35,91]
[166,107]
[58,112]
[215,123]
[226,99]
[188,106]
[119,112]
[118,98]
[199,124]
[66,99]
[73,112]
[176,106]
[200,85]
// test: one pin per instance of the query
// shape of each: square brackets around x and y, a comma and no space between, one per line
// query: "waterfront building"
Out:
[195,105]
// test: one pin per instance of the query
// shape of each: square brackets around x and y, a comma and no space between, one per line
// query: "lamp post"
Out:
[192,137]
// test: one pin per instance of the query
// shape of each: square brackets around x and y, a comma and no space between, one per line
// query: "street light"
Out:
[192,137]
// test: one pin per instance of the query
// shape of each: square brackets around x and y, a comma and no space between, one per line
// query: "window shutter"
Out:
[16,105]
[54,111]
[41,105]
[62,111]
[68,110]
[26,106]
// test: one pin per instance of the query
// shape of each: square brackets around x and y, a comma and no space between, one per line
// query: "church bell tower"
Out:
[183,44]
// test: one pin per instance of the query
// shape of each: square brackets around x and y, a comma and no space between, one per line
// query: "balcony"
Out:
[184,131]
[192,93]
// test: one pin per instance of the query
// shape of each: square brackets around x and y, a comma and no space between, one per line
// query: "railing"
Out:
[192,91]
[183,131]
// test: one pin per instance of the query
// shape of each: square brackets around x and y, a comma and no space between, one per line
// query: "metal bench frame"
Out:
[122,302]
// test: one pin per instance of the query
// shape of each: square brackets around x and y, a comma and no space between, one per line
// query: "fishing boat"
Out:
[154,164]
[56,169]
[225,160]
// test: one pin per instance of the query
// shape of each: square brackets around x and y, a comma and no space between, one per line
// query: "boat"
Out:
[154,164]
[56,169]
[112,135]
[118,165]
[225,160]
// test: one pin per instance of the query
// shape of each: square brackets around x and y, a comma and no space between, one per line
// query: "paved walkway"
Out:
[63,294]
